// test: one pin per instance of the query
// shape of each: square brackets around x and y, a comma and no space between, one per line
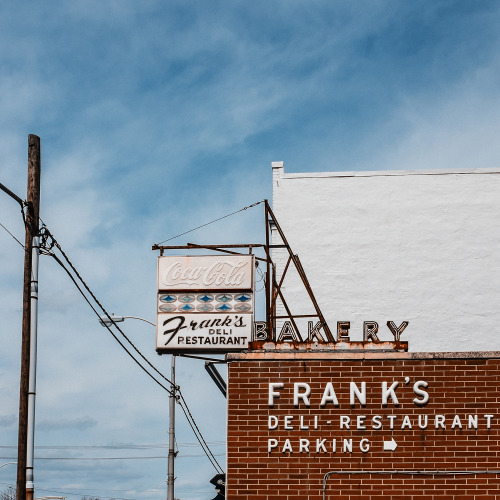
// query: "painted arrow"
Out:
[390,445]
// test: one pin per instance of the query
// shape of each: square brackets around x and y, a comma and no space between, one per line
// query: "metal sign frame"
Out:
[265,335]
[273,288]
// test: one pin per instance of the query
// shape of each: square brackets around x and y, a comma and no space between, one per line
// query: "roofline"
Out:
[280,168]
[359,356]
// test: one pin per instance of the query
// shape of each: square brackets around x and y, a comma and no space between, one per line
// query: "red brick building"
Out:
[363,425]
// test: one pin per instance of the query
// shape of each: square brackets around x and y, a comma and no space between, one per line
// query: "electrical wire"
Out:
[107,326]
[58,246]
[198,434]
[47,234]
[66,493]
[162,457]
[22,246]
[186,411]
[208,453]
[211,222]
[112,446]
[95,458]
[261,274]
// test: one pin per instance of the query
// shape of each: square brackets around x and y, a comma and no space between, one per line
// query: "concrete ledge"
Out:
[340,346]
[388,173]
[357,356]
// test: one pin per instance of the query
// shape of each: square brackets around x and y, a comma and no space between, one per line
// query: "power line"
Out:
[66,258]
[107,326]
[22,246]
[163,457]
[47,251]
[96,458]
[211,222]
[80,494]
[261,279]
[113,446]
[66,493]
[189,417]
[199,435]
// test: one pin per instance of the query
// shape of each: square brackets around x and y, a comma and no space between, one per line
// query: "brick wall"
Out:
[461,388]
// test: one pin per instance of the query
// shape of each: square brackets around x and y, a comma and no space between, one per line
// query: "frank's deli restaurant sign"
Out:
[343,420]
[205,303]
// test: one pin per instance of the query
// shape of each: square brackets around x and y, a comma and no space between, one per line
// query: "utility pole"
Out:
[30,285]
[171,436]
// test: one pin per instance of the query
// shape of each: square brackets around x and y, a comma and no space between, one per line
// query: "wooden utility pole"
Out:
[32,230]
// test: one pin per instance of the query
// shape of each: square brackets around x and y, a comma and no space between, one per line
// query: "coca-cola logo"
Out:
[222,273]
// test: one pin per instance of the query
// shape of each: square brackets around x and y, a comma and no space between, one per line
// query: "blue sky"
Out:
[156,117]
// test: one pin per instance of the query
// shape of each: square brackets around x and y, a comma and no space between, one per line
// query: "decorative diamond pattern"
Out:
[205,302]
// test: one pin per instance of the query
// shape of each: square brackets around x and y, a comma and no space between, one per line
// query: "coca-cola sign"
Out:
[205,303]
[231,272]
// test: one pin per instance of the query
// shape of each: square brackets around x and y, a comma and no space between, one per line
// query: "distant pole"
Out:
[30,452]
[32,228]
[171,437]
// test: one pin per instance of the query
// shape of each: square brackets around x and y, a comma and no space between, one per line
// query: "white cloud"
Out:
[157,118]
[455,129]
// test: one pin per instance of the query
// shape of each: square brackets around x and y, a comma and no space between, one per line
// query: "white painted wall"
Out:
[417,246]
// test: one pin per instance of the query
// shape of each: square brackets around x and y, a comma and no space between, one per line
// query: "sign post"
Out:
[171,437]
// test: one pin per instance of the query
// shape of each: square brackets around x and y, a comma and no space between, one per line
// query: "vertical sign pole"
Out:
[171,437]
[32,225]
[270,333]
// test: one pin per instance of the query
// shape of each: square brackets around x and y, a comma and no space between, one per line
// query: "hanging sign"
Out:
[205,303]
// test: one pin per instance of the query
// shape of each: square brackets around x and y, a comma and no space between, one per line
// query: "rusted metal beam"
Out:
[270,332]
[273,304]
[277,290]
[273,289]
[290,315]
[221,248]
[313,299]
[297,316]
[214,247]
[301,272]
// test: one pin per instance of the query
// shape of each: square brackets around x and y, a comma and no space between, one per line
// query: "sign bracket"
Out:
[272,287]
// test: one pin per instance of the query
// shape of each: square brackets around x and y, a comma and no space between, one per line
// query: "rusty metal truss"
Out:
[273,288]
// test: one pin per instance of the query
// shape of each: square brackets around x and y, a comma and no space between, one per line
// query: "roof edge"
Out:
[381,173]
[358,356]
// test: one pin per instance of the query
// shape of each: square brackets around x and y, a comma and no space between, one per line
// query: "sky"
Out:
[156,117]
